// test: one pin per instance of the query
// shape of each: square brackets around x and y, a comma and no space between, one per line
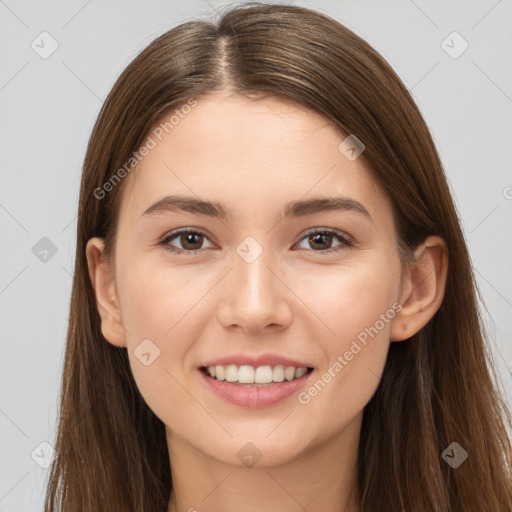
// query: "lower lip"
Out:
[255,397]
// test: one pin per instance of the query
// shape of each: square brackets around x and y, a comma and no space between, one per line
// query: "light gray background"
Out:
[48,107]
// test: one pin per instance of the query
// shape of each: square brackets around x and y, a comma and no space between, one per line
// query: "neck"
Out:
[322,478]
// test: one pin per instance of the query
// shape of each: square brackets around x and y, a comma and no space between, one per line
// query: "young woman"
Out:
[273,306]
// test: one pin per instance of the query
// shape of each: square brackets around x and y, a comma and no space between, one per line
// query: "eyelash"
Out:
[346,242]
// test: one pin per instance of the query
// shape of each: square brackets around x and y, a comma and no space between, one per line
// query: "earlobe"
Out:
[104,289]
[423,289]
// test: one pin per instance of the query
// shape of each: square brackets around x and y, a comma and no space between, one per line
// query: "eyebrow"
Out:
[294,209]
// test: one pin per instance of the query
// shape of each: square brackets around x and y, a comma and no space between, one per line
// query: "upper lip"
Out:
[256,360]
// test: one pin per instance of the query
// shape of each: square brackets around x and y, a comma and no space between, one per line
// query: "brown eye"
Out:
[321,241]
[189,241]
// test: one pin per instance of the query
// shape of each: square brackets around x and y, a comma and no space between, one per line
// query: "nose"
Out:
[255,296]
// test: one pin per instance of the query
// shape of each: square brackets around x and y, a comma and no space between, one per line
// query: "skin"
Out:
[255,156]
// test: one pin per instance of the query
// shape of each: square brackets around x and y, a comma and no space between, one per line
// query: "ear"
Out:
[423,289]
[106,296]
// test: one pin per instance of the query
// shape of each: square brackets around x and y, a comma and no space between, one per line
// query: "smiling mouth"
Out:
[261,376]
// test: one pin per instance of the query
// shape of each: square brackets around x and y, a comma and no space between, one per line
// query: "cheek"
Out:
[348,299]
[170,307]
[159,299]
[156,307]
[358,307]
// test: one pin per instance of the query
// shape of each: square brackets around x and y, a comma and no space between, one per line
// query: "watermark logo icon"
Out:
[249,455]
[43,455]
[454,45]
[44,45]
[44,250]
[147,352]
[249,249]
[454,455]
[351,147]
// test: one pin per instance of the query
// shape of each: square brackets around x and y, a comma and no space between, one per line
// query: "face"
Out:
[265,287]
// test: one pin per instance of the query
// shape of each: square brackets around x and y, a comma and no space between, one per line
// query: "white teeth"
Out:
[246,374]
[263,375]
[289,373]
[299,372]
[278,373]
[220,372]
[231,373]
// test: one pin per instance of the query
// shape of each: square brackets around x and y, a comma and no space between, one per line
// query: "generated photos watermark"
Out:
[151,142]
[305,397]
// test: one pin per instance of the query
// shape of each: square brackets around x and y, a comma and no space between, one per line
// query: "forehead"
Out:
[249,154]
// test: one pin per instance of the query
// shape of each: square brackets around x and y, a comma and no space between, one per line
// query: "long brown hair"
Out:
[437,388]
